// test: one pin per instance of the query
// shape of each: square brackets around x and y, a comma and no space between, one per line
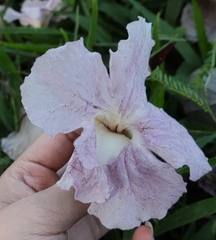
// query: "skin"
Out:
[33,207]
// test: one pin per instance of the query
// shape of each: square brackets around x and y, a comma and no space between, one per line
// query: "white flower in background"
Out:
[2,7]
[114,165]
[35,13]
[17,142]
[190,106]
[208,10]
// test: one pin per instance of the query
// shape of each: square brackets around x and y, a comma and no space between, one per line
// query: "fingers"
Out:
[35,170]
[46,213]
[93,229]
[144,232]
[52,153]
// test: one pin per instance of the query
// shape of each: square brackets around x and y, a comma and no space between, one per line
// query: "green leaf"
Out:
[190,231]
[179,87]
[92,31]
[64,34]
[5,115]
[113,234]
[102,35]
[29,47]
[173,10]
[186,214]
[206,232]
[158,93]
[115,11]
[127,235]
[31,31]
[9,69]
[155,33]
[200,30]
[76,28]
[5,162]
[201,142]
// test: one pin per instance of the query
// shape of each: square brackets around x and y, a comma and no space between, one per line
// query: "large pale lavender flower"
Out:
[114,165]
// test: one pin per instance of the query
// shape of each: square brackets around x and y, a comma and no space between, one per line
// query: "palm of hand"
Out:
[35,171]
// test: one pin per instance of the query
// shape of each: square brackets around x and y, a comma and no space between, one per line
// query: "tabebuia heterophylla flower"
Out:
[114,165]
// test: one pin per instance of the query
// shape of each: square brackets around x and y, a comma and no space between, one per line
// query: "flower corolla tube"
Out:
[115,165]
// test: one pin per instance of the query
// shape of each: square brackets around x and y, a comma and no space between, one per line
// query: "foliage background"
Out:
[102,24]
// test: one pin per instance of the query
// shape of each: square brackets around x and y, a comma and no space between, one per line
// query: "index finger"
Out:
[36,168]
[52,153]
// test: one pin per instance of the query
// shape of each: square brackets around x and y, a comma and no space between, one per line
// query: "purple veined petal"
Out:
[66,87]
[85,147]
[167,138]
[90,185]
[144,188]
[129,66]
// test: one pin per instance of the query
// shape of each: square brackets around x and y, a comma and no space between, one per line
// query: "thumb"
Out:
[47,213]
[144,232]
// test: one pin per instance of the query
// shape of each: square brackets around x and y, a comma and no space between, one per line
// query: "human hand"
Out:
[33,207]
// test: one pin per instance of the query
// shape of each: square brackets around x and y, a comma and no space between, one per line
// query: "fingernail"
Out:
[148,224]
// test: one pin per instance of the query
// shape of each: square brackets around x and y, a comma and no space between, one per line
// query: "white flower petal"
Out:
[11,15]
[143,188]
[167,138]
[129,67]
[90,185]
[66,88]
[208,9]
[17,142]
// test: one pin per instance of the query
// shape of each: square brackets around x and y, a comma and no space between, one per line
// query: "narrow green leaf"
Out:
[201,142]
[187,214]
[92,31]
[184,70]
[173,10]
[206,232]
[29,47]
[64,34]
[200,30]
[158,93]
[212,161]
[127,235]
[102,35]
[31,31]
[5,162]
[155,33]
[189,55]
[10,71]
[190,231]
[76,28]
[7,67]
[115,11]
[5,115]
[113,234]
